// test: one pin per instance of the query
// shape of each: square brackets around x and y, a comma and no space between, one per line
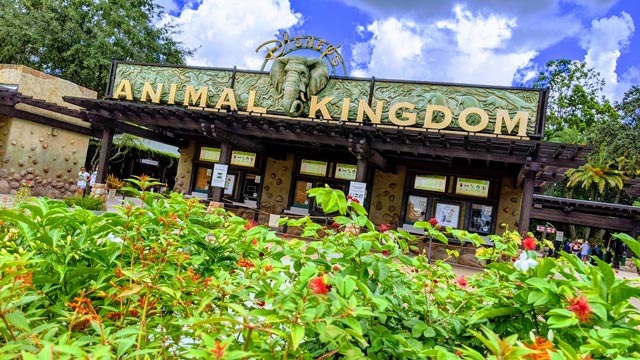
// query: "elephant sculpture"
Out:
[296,78]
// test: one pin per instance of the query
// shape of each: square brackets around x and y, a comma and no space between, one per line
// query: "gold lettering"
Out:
[314,106]
[227,98]
[344,114]
[190,92]
[124,89]
[297,41]
[408,119]
[428,119]
[484,119]
[320,44]
[251,105]
[363,107]
[309,43]
[521,119]
[173,90]
[147,92]
[330,50]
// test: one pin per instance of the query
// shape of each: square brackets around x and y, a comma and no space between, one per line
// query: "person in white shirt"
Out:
[92,181]
[83,177]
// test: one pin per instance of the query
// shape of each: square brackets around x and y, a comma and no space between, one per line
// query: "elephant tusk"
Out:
[303,97]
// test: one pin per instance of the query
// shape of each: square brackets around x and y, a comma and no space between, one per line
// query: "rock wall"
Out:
[45,157]
[185,167]
[48,163]
[278,175]
[386,197]
[509,206]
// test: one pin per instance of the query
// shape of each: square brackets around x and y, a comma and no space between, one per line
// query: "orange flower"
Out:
[580,307]
[218,352]
[245,263]
[542,347]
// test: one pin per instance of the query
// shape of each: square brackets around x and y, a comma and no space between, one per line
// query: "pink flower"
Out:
[318,286]
[529,243]
[384,228]
[461,281]
[580,307]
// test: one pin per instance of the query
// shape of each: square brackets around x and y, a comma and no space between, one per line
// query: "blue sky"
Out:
[492,42]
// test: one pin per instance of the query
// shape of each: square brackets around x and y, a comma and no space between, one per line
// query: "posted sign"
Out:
[358,190]
[219,177]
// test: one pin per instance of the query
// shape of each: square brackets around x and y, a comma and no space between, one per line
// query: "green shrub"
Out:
[170,280]
[86,202]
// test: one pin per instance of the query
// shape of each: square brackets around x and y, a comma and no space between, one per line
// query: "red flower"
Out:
[461,281]
[218,352]
[385,252]
[433,221]
[318,286]
[384,228]
[260,303]
[250,225]
[336,268]
[529,243]
[254,241]
[580,307]
[335,225]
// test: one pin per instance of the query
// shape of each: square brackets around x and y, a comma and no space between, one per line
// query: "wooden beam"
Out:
[20,114]
[225,135]
[577,218]
[451,151]
[362,150]
[105,151]
[136,130]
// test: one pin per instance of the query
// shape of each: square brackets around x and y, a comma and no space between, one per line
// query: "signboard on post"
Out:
[219,177]
[358,190]
[559,236]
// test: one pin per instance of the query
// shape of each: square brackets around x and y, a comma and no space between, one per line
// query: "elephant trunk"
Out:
[293,98]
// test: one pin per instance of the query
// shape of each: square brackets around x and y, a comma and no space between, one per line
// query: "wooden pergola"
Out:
[382,146]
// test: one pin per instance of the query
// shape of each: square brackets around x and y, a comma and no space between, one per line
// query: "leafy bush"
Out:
[171,280]
[86,202]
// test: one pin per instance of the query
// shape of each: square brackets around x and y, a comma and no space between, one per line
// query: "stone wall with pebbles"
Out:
[509,206]
[46,158]
[185,167]
[48,163]
[386,200]
[275,187]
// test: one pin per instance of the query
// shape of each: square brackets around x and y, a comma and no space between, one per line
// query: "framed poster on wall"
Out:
[447,214]
[481,218]
[416,209]
[313,167]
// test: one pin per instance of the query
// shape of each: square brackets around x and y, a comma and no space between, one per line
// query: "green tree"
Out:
[77,39]
[574,99]
[629,107]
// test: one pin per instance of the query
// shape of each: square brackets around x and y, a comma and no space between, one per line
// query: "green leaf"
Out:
[297,335]
[17,319]
[490,313]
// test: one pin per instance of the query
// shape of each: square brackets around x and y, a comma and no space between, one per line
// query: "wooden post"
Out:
[361,172]
[105,151]
[225,158]
[527,201]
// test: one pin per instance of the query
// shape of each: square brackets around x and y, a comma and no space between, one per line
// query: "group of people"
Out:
[583,249]
[86,181]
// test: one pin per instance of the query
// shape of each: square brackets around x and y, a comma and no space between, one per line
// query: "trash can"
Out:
[623,260]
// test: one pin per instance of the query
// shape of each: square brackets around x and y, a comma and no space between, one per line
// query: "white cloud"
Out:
[468,48]
[226,34]
[604,42]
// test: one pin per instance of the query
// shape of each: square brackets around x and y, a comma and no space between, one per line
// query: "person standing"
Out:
[83,177]
[92,181]
[584,251]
